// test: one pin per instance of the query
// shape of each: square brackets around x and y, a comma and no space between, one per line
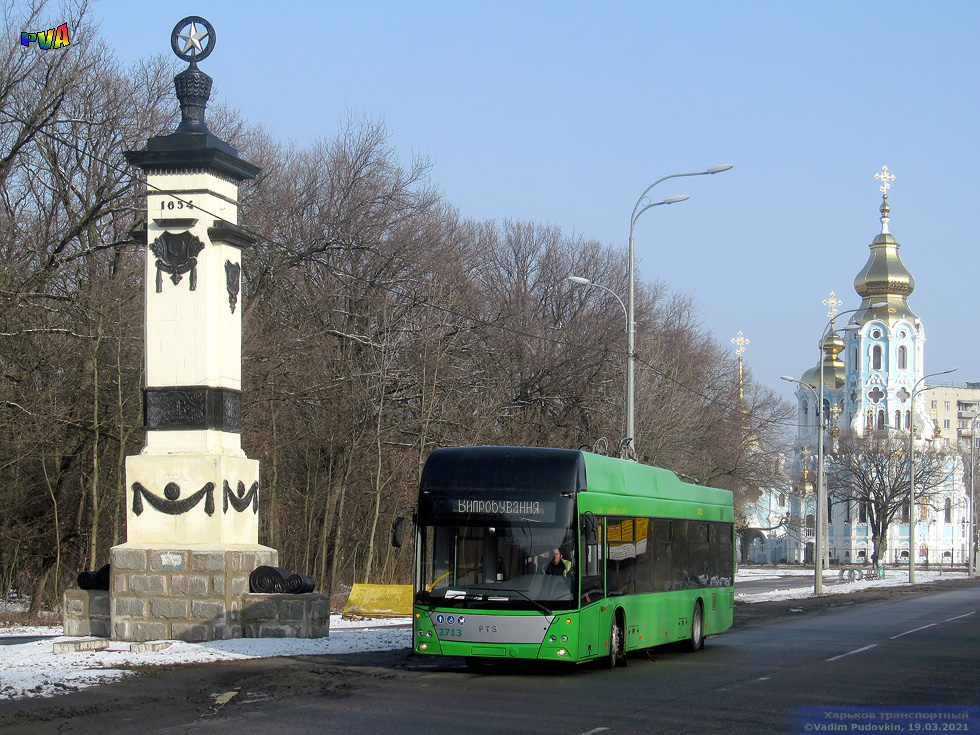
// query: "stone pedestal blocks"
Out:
[86,613]
[183,592]
[286,616]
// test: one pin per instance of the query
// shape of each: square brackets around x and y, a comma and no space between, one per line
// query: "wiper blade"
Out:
[534,602]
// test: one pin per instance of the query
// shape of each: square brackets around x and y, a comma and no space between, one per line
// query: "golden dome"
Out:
[833,345]
[884,274]
[833,366]
[884,278]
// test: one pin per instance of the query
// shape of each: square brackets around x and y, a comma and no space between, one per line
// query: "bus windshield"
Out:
[490,520]
[506,564]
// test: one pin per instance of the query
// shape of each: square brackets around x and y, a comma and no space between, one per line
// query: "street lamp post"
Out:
[818,545]
[642,205]
[912,519]
[586,282]
[971,568]
[818,531]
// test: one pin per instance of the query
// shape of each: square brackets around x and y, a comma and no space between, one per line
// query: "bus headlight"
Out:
[564,639]
[553,639]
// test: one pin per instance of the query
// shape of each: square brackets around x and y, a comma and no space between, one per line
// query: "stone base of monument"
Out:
[286,616]
[191,593]
[86,613]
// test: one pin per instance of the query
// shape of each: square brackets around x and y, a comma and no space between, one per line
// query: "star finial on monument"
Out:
[192,85]
[188,31]
[193,38]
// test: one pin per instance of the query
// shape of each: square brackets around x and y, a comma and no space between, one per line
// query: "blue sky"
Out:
[564,112]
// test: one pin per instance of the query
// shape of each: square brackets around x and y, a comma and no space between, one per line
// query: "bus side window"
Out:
[663,577]
[620,556]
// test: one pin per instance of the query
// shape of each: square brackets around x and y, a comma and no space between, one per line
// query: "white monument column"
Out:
[192,496]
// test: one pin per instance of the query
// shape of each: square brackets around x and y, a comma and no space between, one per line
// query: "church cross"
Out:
[833,302]
[740,343]
[884,177]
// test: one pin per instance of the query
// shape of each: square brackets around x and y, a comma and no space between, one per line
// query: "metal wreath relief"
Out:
[171,504]
[176,255]
[232,273]
[242,500]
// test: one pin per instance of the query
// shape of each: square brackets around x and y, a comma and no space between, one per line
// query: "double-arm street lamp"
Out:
[642,205]
[625,448]
[913,521]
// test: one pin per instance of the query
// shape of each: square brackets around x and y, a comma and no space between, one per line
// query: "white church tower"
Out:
[884,357]
[873,371]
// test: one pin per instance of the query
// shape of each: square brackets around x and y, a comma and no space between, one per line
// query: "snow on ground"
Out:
[831,581]
[30,668]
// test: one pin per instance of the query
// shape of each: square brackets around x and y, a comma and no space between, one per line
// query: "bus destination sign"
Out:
[534,510]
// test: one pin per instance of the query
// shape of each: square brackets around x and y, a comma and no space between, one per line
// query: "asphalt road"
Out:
[888,647]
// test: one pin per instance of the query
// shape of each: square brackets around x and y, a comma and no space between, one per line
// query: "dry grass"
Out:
[15,618]
[14,612]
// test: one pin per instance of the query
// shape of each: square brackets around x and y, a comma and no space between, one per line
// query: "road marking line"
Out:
[856,650]
[914,630]
[965,615]
[594,730]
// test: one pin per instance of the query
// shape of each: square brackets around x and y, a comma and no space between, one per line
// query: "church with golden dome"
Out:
[869,384]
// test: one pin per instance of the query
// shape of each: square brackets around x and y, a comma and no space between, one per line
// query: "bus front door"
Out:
[593,589]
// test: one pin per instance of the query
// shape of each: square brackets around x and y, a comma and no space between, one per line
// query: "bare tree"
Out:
[873,472]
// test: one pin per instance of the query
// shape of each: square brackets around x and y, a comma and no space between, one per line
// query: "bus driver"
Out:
[558,566]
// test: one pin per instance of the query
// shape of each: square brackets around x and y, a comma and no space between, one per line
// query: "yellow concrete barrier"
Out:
[379,601]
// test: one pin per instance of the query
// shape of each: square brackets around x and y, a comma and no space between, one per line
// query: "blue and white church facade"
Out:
[870,367]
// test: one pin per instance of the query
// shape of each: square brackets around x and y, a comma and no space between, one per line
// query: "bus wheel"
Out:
[617,653]
[697,628]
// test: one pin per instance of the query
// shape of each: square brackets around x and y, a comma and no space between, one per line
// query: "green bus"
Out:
[564,555]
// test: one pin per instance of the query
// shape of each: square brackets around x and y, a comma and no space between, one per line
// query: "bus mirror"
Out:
[398,532]
[590,529]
